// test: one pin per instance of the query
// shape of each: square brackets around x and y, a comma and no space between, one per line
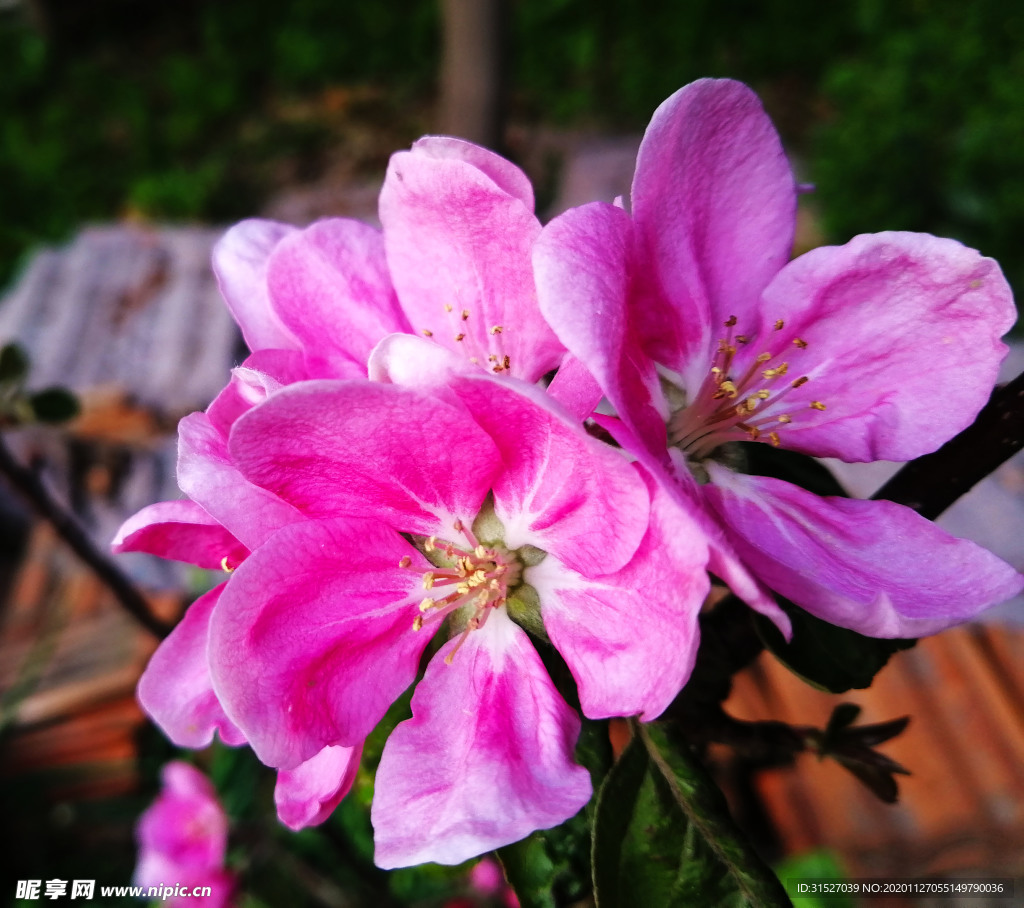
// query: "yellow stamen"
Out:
[465,314]
[224,565]
[448,307]
[779,325]
[785,418]
[417,624]
[405,561]
[497,329]
[428,580]
[800,342]
[730,322]
[774,436]
[427,332]
[817,405]
[459,337]
[802,380]
[427,604]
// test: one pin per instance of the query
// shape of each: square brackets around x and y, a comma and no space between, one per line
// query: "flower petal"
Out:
[458,241]
[175,689]
[872,566]
[486,759]
[367,449]
[207,475]
[307,795]
[559,489]
[330,286]
[714,203]
[583,262]
[902,343]
[181,531]
[630,638]
[240,263]
[313,639]
[262,373]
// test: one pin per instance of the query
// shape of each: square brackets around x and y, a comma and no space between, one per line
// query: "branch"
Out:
[32,488]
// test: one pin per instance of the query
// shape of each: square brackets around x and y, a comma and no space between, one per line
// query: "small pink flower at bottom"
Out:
[182,840]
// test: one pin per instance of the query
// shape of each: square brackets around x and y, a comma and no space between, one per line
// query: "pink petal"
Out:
[207,475]
[630,638]
[504,174]
[181,531]
[902,333]
[262,373]
[240,263]
[583,261]
[575,388]
[873,566]
[175,689]
[458,241]
[307,795]
[486,759]
[715,209]
[330,286]
[367,449]
[416,362]
[313,639]
[559,489]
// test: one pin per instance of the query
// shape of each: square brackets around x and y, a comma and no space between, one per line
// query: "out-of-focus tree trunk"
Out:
[472,71]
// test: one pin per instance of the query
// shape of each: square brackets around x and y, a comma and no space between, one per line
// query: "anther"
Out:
[763,357]
[427,604]
[785,418]
[730,322]
[224,565]
[457,526]
[428,580]
[404,561]
[742,339]
[779,325]
[459,337]
[800,342]
[448,307]
[417,624]
[497,329]
[427,332]
[430,544]
[465,314]
[774,436]
[753,431]
[802,380]
[780,369]
[817,405]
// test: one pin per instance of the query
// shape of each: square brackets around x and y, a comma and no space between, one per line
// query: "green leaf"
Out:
[53,405]
[13,363]
[829,657]
[663,836]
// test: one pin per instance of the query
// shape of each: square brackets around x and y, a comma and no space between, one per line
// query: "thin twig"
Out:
[31,487]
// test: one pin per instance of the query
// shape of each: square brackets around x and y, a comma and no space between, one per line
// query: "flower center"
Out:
[467,577]
[493,357]
[739,399]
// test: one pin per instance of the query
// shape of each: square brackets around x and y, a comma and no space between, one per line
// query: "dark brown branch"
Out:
[933,482]
[31,487]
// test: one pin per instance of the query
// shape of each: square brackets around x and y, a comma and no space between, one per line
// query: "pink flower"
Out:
[701,333]
[183,839]
[208,530]
[480,504]
[452,263]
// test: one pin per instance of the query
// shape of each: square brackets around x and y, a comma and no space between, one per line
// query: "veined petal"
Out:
[416,362]
[367,449]
[458,245]
[559,489]
[584,260]
[207,475]
[714,203]
[630,637]
[262,373]
[502,172]
[486,759]
[901,334]
[175,689]
[181,531]
[330,286]
[240,263]
[307,795]
[313,639]
[873,566]
[575,388]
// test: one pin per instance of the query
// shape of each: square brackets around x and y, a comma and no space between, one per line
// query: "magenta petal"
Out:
[405,359]
[181,531]
[630,638]
[902,343]
[307,795]
[175,689]
[575,388]
[330,286]
[715,209]
[261,374]
[560,489]
[313,639]
[367,449]
[240,263]
[505,175]
[583,261]
[207,475]
[873,566]
[458,245]
[486,759]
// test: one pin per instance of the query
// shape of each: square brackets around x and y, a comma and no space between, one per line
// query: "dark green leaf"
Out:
[829,657]
[13,363]
[663,836]
[54,405]
[800,469]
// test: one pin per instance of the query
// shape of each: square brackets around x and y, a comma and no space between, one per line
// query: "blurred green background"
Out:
[907,115]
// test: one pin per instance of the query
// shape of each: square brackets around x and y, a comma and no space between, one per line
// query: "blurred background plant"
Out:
[907,116]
